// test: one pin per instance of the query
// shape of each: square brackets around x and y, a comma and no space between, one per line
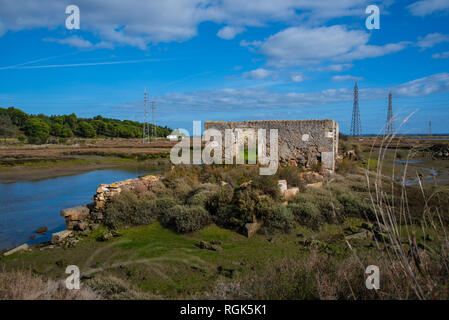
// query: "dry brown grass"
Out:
[23,285]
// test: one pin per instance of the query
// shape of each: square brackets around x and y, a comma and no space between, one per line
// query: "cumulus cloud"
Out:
[73,41]
[425,7]
[296,77]
[257,74]
[442,55]
[432,39]
[302,45]
[138,23]
[229,32]
[333,67]
[346,78]
[247,98]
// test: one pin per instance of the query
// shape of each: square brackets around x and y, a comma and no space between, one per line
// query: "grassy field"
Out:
[153,262]
[315,247]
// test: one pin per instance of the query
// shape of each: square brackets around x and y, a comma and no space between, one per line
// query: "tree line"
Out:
[38,128]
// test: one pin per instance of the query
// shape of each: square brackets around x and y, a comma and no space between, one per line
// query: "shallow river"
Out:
[26,206]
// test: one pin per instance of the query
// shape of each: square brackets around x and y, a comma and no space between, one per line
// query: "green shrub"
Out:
[183,219]
[200,196]
[307,214]
[268,185]
[291,174]
[21,138]
[181,187]
[353,206]
[278,219]
[220,198]
[161,205]
[128,209]
[347,166]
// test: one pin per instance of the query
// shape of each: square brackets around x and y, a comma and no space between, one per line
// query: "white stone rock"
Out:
[23,247]
[282,185]
[60,236]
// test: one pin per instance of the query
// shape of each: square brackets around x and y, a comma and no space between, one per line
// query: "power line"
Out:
[153,131]
[389,128]
[356,124]
[146,127]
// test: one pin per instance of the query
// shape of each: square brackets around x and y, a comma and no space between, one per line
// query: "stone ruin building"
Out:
[301,142]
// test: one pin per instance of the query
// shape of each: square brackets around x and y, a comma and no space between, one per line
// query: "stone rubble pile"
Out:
[106,191]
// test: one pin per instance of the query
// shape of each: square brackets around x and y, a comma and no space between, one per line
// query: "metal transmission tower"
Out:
[356,124]
[153,131]
[146,127]
[389,128]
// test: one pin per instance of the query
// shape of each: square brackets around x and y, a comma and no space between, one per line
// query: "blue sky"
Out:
[229,60]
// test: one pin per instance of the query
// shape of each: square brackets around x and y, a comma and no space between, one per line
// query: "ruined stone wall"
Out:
[301,142]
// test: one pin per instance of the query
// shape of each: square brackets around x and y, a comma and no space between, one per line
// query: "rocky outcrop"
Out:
[106,191]
[23,247]
[59,237]
[75,218]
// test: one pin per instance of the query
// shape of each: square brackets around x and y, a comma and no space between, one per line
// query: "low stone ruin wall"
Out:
[301,142]
[82,217]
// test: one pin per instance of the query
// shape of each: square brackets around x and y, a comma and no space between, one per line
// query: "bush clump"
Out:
[128,209]
[354,206]
[184,219]
[278,219]
[307,214]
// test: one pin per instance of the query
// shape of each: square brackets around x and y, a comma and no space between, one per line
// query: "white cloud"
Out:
[442,55]
[252,99]
[302,46]
[370,51]
[296,77]
[229,32]
[138,23]
[333,67]
[346,78]
[425,7]
[257,74]
[432,39]
[73,41]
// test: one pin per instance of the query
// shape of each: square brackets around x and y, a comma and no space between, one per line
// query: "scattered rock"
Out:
[252,228]
[290,193]
[75,214]
[359,235]
[23,247]
[226,271]
[32,237]
[59,237]
[208,246]
[41,230]
[282,185]
[105,236]
[315,185]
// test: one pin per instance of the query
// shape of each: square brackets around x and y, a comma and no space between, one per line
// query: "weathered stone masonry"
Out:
[301,142]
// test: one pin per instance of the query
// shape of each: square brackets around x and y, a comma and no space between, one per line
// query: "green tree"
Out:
[6,128]
[56,129]
[17,116]
[67,132]
[37,131]
[86,130]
